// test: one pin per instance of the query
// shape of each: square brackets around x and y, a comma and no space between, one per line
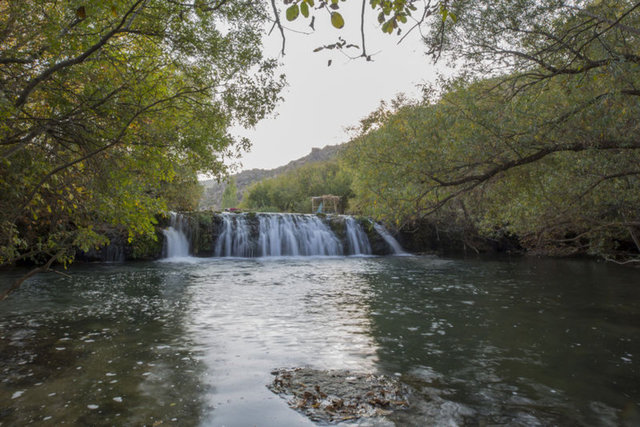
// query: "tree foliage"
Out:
[548,148]
[104,104]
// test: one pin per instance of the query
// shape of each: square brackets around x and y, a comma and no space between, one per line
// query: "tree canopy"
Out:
[103,103]
[547,147]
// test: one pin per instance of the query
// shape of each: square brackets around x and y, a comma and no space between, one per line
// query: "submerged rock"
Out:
[339,395]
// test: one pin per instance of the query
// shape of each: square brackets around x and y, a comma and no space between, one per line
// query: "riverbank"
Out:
[245,234]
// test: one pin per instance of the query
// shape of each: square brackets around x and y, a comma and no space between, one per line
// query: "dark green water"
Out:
[502,342]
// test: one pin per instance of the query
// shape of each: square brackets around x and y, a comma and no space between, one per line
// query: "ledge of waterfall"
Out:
[211,234]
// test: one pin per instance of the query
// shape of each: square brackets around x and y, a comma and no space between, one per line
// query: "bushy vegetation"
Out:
[230,195]
[292,191]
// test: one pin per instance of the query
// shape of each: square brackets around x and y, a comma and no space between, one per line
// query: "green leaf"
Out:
[304,8]
[381,18]
[292,12]
[337,20]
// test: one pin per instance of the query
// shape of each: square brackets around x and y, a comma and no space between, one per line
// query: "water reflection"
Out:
[194,343]
[252,316]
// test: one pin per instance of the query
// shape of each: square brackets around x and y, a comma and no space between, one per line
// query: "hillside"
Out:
[212,196]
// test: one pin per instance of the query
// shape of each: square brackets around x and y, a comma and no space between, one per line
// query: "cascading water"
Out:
[234,239]
[176,242]
[296,235]
[357,240]
[280,234]
[393,243]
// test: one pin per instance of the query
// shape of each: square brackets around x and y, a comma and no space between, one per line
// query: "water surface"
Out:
[512,342]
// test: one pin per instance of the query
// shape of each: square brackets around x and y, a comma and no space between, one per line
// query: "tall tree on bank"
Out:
[103,102]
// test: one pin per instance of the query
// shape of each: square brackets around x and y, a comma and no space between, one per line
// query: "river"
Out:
[478,342]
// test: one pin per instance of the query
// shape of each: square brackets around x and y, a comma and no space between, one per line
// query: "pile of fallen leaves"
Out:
[339,395]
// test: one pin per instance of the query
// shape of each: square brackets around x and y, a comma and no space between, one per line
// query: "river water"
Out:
[478,342]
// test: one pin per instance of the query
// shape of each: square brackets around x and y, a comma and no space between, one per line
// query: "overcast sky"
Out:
[321,101]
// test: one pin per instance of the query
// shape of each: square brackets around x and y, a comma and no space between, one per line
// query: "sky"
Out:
[320,101]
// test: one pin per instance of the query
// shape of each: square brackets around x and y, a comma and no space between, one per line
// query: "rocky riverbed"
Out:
[332,396]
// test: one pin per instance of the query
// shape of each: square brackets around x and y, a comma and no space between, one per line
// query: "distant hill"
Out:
[212,197]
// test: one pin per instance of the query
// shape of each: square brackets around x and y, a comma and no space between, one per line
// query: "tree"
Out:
[547,147]
[102,104]
[230,195]
[567,185]
[534,42]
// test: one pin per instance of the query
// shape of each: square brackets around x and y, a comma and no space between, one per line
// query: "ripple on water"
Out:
[479,343]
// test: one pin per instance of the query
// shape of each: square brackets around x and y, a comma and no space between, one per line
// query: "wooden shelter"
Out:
[327,203]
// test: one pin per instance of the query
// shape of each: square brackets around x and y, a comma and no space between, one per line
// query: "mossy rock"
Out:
[146,247]
[338,225]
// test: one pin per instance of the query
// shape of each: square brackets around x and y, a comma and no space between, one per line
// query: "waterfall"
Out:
[296,235]
[393,243]
[357,240]
[278,234]
[234,239]
[176,242]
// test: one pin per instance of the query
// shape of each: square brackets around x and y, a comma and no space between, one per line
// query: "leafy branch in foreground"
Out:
[392,16]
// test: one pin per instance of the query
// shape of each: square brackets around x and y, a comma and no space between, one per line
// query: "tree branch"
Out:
[364,48]
[611,22]
[16,285]
[22,98]
[279,24]
[531,158]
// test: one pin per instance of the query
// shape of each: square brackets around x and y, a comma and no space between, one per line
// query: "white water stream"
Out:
[277,235]
[177,244]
